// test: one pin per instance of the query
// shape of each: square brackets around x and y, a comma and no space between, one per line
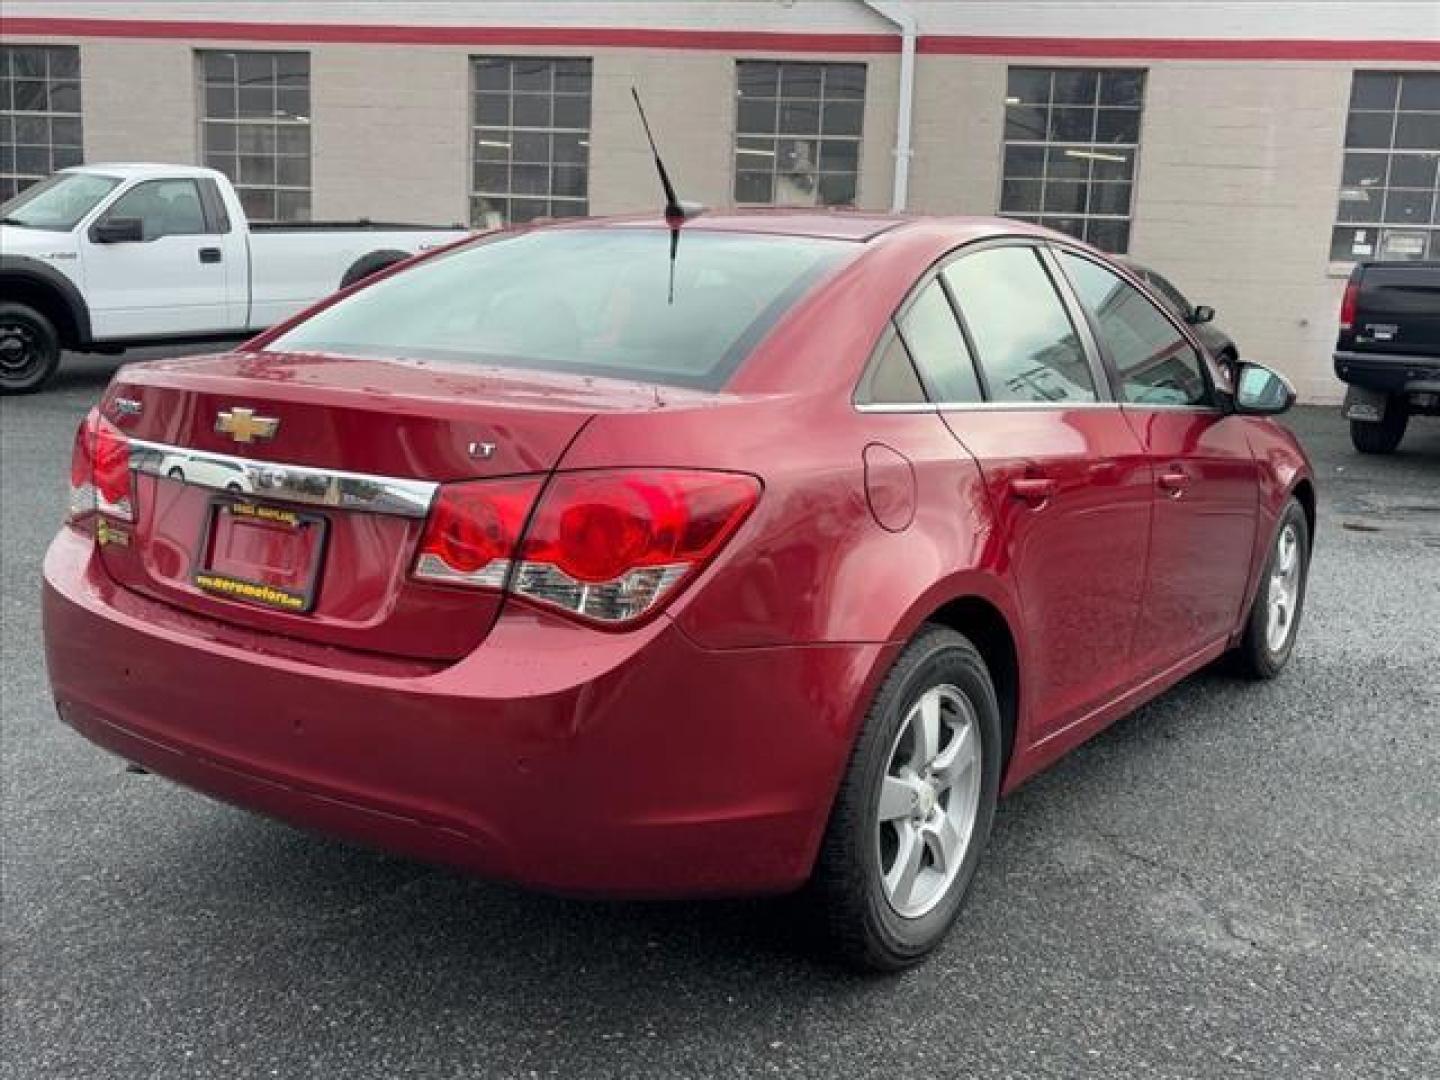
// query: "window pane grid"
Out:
[530,139]
[1389,202]
[798,128]
[1072,136]
[40,123]
[255,128]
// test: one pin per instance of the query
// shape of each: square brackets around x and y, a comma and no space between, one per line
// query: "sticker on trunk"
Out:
[239,589]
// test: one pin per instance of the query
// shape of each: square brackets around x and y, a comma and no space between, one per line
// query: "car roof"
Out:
[854,225]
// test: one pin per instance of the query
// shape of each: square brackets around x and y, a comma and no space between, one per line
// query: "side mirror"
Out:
[1201,314]
[120,230]
[1262,392]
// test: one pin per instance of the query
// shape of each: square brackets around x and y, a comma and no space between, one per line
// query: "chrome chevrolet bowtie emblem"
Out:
[244,426]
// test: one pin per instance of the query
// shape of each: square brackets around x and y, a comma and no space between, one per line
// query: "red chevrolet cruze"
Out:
[766,561]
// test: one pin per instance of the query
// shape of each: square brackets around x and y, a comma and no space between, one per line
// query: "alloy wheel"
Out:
[928,802]
[1283,595]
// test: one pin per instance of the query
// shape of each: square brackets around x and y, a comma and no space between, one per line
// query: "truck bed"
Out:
[359,225]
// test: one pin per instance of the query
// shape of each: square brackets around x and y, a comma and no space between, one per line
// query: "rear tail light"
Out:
[100,471]
[1348,304]
[82,469]
[608,546]
[473,530]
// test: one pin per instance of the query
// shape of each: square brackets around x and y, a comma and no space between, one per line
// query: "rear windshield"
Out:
[594,301]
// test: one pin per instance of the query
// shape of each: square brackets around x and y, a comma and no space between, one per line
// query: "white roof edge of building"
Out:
[1377,20]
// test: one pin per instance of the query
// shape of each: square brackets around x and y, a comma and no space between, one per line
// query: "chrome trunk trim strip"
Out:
[303,484]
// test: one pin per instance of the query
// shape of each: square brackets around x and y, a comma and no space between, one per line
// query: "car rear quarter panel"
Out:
[813,564]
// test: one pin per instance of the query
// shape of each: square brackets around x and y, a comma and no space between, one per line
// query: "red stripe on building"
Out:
[1183,48]
[730,40]
[490,36]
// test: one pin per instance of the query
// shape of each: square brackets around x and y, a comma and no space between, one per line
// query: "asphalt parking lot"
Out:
[1239,880]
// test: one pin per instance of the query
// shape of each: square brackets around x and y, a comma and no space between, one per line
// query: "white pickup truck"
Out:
[103,257]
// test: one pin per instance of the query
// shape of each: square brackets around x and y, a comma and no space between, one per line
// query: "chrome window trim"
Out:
[986,406]
[1022,406]
[1155,406]
[896,407]
[302,484]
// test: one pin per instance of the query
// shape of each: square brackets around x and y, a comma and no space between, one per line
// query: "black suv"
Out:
[1389,350]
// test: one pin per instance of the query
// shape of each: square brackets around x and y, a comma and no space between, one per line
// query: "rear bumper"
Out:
[556,757]
[1391,374]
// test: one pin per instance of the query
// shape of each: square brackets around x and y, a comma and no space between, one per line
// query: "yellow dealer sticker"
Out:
[268,595]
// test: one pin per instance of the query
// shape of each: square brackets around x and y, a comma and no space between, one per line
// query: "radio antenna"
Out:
[676,212]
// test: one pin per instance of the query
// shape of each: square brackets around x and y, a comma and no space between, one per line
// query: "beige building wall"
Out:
[139,101]
[958,129]
[390,133]
[692,127]
[1239,174]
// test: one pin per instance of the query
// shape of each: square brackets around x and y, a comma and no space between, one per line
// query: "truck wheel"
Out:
[373,263]
[914,809]
[29,349]
[1385,436]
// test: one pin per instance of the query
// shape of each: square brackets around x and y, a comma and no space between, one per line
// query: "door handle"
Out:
[1174,482]
[210,255]
[1034,491]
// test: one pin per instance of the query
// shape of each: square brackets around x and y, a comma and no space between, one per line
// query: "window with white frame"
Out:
[1072,136]
[530,147]
[255,128]
[797,133]
[1389,196]
[40,128]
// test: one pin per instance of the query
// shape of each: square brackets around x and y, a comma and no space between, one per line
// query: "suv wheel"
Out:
[1385,436]
[915,808]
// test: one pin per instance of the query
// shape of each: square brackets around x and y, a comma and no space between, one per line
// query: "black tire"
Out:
[1256,657]
[846,891]
[29,349]
[1383,437]
[373,263]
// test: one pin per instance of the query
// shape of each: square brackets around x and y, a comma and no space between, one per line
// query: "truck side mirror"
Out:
[120,230]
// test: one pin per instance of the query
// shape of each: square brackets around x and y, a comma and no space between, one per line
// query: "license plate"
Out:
[263,555]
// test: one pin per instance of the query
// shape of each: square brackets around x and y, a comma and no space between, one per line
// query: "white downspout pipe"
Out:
[900,15]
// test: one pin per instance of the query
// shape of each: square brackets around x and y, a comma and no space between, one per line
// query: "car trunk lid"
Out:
[289,493]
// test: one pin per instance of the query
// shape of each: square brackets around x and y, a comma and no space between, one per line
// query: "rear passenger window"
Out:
[891,379]
[1157,366]
[933,338]
[1026,344]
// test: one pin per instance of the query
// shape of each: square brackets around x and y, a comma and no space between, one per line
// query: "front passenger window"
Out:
[1156,364]
[164,208]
